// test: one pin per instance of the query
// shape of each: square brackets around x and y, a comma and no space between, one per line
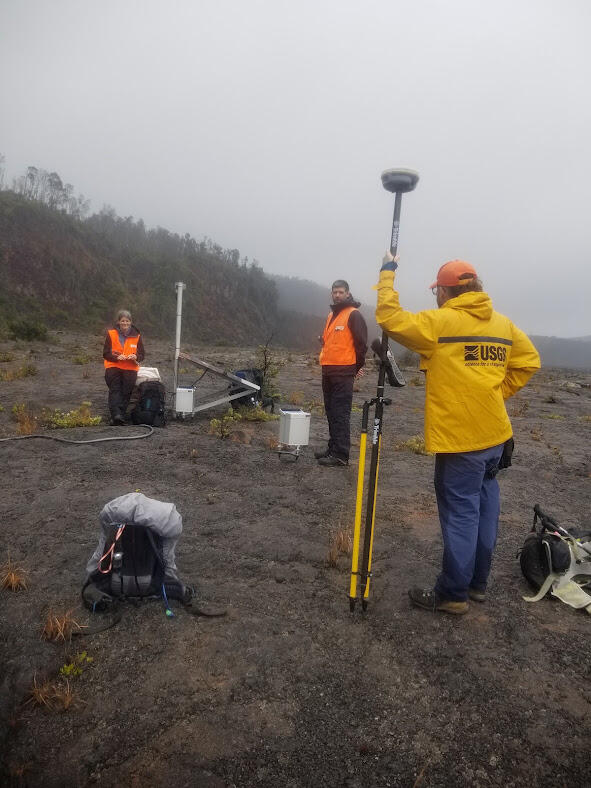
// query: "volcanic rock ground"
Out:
[289,689]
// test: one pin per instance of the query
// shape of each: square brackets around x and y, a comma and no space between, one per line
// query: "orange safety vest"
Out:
[338,348]
[128,348]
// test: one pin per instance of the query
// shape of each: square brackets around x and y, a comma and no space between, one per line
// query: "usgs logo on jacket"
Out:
[485,355]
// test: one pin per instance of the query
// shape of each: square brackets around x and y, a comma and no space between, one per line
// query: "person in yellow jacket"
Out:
[474,359]
[122,352]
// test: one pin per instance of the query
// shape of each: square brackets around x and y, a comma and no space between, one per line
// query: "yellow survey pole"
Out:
[358,509]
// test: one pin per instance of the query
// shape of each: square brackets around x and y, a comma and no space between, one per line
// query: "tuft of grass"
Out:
[59,628]
[272,443]
[550,399]
[63,696]
[79,417]
[41,694]
[12,577]
[415,444]
[26,421]
[51,695]
[536,435]
[296,398]
[586,418]
[26,371]
[555,416]
[417,380]
[519,408]
[5,357]
[82,359]
[314,405]
[341,543]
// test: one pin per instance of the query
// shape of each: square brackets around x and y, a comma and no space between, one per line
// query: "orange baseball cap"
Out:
[456,272]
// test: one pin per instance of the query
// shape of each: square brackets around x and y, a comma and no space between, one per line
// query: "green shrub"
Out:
[75,667]
[79,417]
[255,414]
[221,427]
[28,329]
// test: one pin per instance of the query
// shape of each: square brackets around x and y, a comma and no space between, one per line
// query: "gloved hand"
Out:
[389,263]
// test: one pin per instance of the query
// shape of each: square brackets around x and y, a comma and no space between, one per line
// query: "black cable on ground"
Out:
[92,440]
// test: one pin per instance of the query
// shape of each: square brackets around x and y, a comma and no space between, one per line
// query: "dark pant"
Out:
[120,383]
[469,504]
[338,398]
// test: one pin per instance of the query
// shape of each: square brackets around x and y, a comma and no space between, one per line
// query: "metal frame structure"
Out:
[240,387]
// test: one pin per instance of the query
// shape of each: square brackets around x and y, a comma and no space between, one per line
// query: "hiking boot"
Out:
[477,596]
[117,420]
[321,453]
[330,461]
[429,600]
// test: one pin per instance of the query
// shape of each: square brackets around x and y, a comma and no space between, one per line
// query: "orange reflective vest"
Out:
[128,348]
[338,348]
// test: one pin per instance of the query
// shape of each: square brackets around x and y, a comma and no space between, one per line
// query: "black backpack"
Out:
[543,551]
[251,399]
[150,408]
[541,554]
[132,567]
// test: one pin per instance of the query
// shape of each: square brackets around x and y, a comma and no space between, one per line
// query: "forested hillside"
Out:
[65,270]
[61,268]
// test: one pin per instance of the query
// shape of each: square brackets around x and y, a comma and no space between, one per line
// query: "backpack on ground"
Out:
[135,556]
[555,560]
[150,408]
[251,399]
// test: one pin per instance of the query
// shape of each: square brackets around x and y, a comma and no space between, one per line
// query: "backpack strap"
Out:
[543,590]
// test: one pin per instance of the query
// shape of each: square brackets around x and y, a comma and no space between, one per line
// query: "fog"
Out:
[265,125]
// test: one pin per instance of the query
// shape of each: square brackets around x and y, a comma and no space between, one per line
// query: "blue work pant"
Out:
[469,505]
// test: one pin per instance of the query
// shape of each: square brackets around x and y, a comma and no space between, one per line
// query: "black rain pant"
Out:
[338,398]
[120,383]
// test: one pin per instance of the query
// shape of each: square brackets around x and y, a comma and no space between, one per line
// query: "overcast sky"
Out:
[265,125]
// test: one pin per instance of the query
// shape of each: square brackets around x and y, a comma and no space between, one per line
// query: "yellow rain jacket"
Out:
[474,359]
